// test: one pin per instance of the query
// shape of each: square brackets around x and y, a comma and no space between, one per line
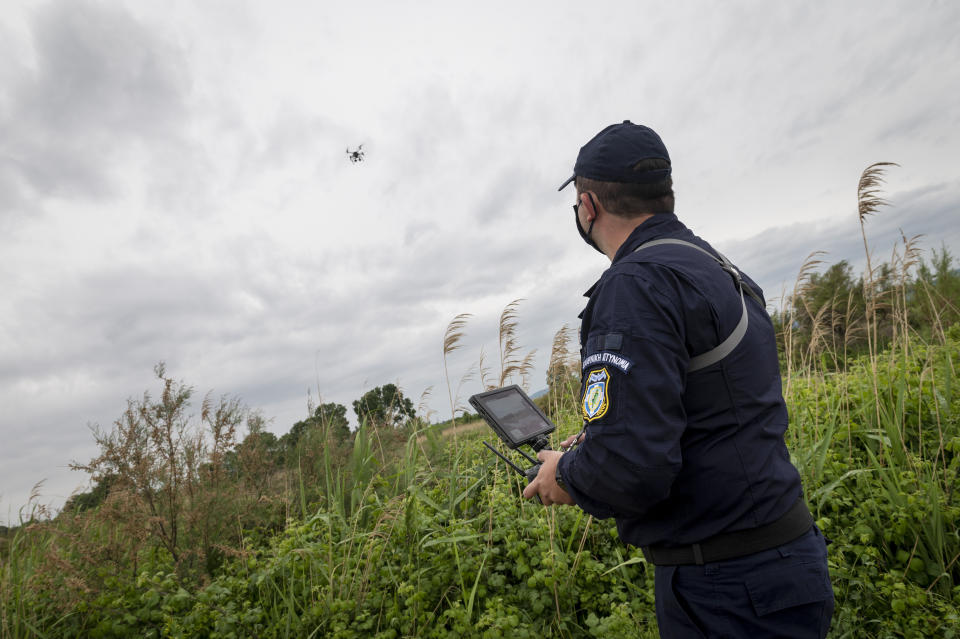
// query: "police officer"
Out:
[684,413]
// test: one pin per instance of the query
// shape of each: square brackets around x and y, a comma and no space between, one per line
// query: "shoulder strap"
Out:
[725,347]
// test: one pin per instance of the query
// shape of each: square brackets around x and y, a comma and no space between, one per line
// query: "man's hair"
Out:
[631,200]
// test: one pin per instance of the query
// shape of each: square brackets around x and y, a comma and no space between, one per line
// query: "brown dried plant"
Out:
[854,325]
[451,342]
[510,360]
[820,327]
[869,202]
[902,265]
[465,379]
[562,371]
[485,380]
[526,368]
[423,404]
[796,301]
[169,481]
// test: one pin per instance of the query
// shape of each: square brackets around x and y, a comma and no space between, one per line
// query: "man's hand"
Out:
[545,483]
[573,439]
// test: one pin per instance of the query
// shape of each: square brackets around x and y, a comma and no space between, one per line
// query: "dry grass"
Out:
[463,428]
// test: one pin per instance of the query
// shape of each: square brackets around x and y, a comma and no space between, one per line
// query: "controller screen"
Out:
[515,415]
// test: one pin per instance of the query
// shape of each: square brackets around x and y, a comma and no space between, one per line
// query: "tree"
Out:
[384,405]
[168,475]
[330,417]
[92,498]
[936,294]
[255,460]
[824,317]
[836,298]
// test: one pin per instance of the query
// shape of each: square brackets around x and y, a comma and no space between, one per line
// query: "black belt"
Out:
[794,523]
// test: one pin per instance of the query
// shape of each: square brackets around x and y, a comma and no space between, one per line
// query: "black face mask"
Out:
[586,234]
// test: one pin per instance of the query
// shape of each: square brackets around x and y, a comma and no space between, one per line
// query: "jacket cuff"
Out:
[585,502]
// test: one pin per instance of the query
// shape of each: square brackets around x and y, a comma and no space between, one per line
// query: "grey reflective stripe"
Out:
[725,347]
[668,240]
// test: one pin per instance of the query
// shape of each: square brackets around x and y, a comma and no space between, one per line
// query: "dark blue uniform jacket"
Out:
[676,456]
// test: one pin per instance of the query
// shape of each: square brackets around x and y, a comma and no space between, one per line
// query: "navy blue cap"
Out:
[611,155]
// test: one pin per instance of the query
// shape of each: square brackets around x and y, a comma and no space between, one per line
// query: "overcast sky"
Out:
[174,184]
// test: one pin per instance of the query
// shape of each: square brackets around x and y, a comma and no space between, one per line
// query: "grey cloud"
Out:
[292,136]
[140,312]
[100,69]
[430,124]
[103,83]
[120,315]
[418,232]
[505,203]
[295,137]
[910,125]
[468,265]
[13,187]
[490,208]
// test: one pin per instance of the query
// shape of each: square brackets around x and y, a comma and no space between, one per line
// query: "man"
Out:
[684,413]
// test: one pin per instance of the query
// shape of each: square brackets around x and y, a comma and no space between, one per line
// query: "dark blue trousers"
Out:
[783,592]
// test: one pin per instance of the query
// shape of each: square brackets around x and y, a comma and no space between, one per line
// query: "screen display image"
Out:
[516,416]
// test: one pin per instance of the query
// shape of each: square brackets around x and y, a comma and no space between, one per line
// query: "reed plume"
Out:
[451,342]
[869,202]
[510,361]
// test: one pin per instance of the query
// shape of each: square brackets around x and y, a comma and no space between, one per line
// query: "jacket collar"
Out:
[660,225]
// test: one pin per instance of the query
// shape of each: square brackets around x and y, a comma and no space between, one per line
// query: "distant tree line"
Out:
[826,316]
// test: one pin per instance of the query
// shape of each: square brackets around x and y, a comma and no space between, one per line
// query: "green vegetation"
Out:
[404,529]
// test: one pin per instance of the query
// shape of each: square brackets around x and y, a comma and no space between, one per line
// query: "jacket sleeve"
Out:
[634,374]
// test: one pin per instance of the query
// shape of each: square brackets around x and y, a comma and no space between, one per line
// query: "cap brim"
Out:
[564,185]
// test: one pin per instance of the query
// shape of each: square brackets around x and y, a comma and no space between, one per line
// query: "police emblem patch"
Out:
[595,397]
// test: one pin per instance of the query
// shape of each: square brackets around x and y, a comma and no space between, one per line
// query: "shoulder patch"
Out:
[596,398]
[605,357]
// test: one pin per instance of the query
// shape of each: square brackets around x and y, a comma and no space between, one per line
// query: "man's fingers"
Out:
[531,490]
[573,439]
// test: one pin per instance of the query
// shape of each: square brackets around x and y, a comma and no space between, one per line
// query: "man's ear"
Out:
[590,202]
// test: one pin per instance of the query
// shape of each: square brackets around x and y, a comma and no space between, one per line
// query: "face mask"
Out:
[586,234]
